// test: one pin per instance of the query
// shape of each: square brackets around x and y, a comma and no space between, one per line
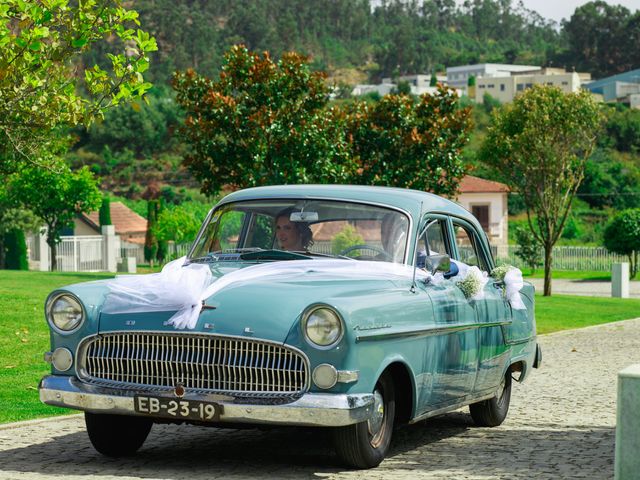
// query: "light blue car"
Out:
[328,306]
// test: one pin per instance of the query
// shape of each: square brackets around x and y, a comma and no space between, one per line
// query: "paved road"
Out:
[561,425]
[584,288]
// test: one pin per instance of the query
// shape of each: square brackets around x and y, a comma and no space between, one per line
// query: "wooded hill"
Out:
[356,42]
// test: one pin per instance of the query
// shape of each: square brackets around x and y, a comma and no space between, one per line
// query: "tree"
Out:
[622,236]
[603,38]
[528,249]
[12,218]
[433,81]
[56,196]
[42,76]
[261,123]
[16,256]
[104,214]
[180,223]
[411,143]
[150,240]
[539,145]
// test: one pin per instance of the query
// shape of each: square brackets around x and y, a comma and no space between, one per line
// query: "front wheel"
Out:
[364,445]
[492,412]
[116,435]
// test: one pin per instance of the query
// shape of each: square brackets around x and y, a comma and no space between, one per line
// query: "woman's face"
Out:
[287,234]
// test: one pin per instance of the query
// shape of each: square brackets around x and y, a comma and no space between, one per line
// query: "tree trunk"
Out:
[547,270]
[54,263]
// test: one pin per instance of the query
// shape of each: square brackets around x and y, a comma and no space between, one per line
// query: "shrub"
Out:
[622,236]
[528,248]
[16,256]
[347,237]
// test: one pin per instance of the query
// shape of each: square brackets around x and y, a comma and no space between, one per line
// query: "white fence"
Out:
[73,253]
[565,257]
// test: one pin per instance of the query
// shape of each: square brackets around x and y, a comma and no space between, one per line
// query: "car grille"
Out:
[198,362]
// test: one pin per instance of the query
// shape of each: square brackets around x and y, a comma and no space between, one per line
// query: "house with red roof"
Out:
[487,201]
[129,226]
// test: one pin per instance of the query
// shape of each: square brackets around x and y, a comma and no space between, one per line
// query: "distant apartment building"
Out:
[459,76]
[624,87]
[505,88]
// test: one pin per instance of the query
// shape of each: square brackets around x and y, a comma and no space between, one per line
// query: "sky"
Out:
[559,9]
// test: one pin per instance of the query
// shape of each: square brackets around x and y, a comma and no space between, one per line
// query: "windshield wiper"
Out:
[274,255]
[328,255]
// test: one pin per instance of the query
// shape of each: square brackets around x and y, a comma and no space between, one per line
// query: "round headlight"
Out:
[323,327]
[65,313]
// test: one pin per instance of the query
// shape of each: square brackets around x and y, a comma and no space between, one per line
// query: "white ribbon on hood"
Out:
[184,288]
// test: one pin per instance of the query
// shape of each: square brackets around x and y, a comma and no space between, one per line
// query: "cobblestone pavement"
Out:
[561,425]
[583,287]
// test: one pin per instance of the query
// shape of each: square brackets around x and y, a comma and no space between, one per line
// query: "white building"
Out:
[459,76]
[505,88]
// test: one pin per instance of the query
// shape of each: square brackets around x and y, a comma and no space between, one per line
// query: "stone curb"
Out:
[37,421]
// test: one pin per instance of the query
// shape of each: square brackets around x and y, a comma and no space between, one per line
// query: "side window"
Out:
[432,242]
[469,251]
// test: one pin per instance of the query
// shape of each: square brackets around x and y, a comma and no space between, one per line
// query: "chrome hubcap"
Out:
[375,422]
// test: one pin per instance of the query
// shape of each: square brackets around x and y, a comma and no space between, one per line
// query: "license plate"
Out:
[177,408]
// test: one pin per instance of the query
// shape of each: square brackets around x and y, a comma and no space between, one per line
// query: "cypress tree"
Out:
[16,248]
[105,211]
[150,240]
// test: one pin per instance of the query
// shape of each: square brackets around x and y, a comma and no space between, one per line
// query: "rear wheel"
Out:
[364,445]
[492,412]
[117,435]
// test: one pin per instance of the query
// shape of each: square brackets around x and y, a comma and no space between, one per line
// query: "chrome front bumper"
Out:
[312,409]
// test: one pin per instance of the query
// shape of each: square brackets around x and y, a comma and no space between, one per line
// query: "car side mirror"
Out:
[437,263]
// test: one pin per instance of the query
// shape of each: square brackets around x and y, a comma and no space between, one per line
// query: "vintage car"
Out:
[323,306]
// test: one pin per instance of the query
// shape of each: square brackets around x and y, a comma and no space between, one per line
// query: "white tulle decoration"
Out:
[184,288]
[513,283]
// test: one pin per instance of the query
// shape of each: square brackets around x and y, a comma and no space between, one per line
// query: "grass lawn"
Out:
[24,335]
[570,275]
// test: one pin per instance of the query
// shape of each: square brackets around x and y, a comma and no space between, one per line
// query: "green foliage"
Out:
[262,123]
[622,236]
[39,90]
[572,228]
[411,143]
[150,240]
[16,250]
[345,238]
[471,82]
[490,103]
[539,145]
[603,38]
[104,214]
[528,248]
[622,129]
[433,81]
[56,196]
[180,223]
[404,88]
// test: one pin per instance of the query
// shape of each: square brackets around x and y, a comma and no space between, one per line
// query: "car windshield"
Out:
[296,229]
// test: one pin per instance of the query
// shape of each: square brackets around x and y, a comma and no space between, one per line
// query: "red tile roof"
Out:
[471,184]
[123,218]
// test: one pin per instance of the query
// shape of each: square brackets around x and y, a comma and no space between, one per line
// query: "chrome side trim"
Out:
[449,408]
[312,409]
[423,332]
[348,376]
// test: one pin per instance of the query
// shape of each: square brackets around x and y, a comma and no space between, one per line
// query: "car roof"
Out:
[413,202]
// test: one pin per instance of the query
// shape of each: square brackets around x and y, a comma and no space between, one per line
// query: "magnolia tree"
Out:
[411,143]
[42,75]
[265,122]
[539,145]
[262,122]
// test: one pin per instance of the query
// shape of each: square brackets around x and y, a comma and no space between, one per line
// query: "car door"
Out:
[450,357]
[492,312]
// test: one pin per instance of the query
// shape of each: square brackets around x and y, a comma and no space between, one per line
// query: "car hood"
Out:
[268,305]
